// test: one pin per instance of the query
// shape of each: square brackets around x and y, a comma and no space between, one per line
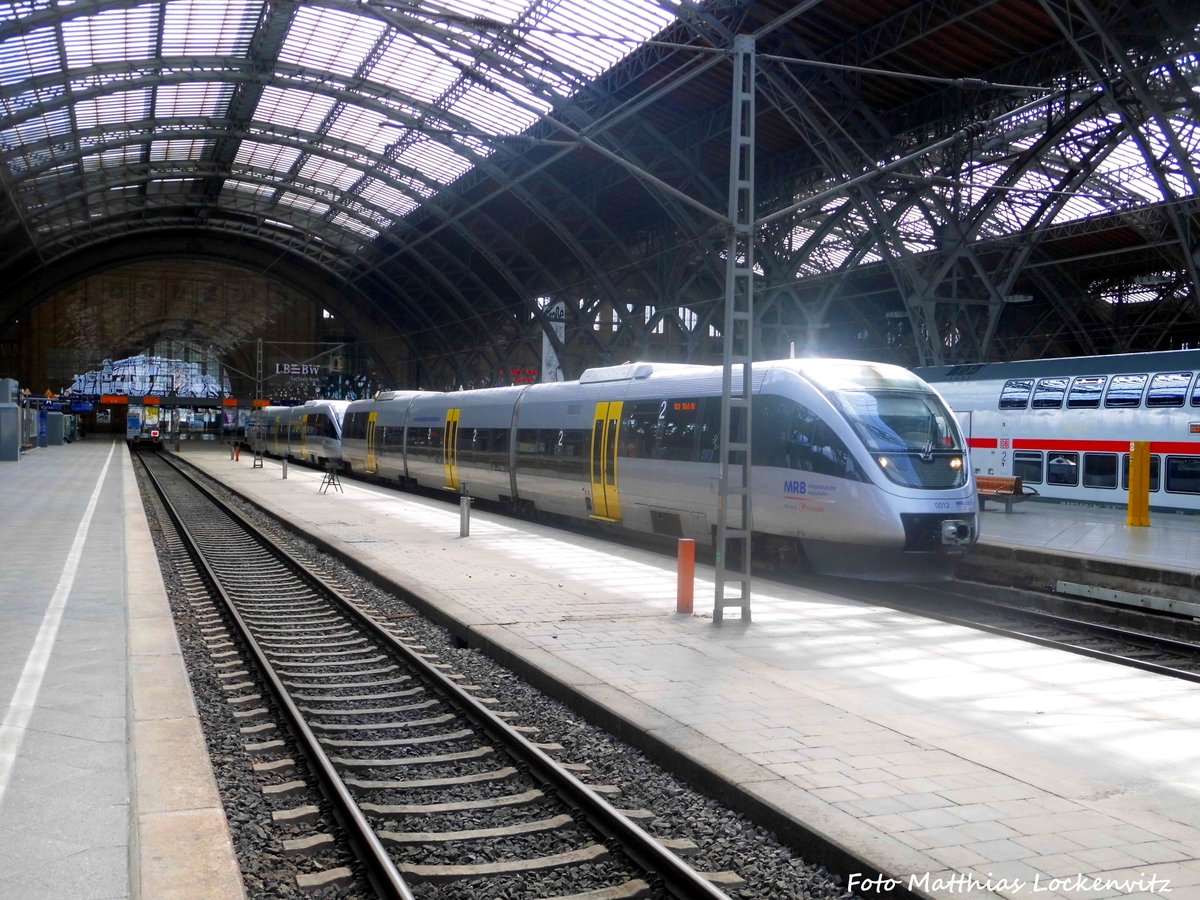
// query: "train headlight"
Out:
[956,462]
[956,532]
[884,462]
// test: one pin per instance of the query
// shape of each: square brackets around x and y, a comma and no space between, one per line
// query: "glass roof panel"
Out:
[565,34]
[350,223]
[174,150]
[495,114]
[413,70]
[360,126]
[209,27]
[507,11]
[268,157]
[387,197]
[289,109]
[198,99]
[113,35]
[114,158]
[28,55]
[113,109]
[330,39]
[15,9]
[306,204]
[334,173]
[436,160]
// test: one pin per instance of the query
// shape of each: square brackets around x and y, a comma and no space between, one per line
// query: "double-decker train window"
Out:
[1049,393]
[1183,474]
[1155,460]
[1100,470]
[1015,393]
[1086,391]
[1168,389]
[1063,468]
[1125,391]
[1027,465]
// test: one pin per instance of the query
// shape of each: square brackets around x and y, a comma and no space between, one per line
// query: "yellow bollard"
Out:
[1138,514]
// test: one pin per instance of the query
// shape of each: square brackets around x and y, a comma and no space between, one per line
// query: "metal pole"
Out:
[464,513]
[285,467]
[734,515]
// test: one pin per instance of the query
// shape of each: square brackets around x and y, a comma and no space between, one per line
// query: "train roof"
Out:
[1118,363]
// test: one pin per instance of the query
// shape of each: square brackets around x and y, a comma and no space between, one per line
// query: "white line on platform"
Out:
[12,730]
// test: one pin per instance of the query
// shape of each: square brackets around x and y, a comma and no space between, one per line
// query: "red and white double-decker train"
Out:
[1064,426]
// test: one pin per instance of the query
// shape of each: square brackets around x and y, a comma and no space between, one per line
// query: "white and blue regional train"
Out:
[1065,425]
[858,466]
[311,433]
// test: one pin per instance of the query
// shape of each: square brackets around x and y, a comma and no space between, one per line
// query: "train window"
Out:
[1154,470]
[1125,391]
[789,435]
[677,433]
[638,424]
[1196,393]
[1049,393]
[1100,470]
[1168,389]
[1086,391]
[1027,465]
[710,430]
[1015,393]
[1183,474]
[1063,468]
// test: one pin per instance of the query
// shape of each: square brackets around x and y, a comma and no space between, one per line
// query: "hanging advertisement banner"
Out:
[551,369]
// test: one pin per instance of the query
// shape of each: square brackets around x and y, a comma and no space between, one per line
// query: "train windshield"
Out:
[911,435]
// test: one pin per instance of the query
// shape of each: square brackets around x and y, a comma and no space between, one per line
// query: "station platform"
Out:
[958,763]
[106,790]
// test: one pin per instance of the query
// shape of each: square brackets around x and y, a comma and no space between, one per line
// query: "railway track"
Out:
[429,783]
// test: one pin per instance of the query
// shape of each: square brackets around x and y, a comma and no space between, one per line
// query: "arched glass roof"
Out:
[335,118]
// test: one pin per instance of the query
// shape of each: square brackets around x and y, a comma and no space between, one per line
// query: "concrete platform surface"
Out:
[105,785]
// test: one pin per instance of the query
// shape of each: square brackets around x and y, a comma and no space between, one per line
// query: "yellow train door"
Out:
[606,424]
[450,449]
[372,450]
[304,438]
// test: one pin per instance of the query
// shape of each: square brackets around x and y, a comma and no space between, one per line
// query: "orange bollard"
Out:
[686,579]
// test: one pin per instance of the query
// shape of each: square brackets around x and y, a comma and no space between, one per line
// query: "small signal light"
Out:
[154,434]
